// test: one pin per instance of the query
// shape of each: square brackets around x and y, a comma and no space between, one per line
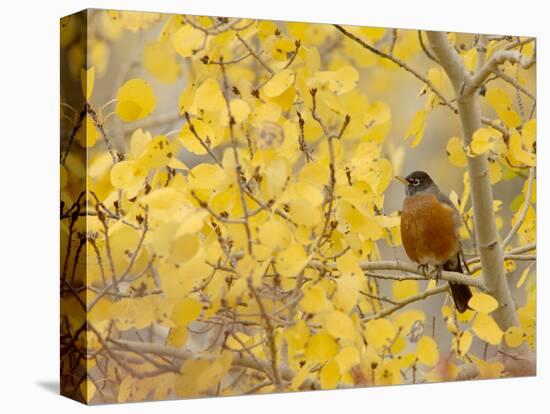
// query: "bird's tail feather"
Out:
[461,293]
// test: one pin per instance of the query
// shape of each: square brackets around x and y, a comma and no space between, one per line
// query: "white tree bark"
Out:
[490,250]
[491,253]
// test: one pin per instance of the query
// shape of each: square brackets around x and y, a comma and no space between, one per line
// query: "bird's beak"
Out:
[402,180]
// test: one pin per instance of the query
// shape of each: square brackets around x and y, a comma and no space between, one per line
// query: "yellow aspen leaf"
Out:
[320,348]
[451,325]
[329,375]
[514,336]
[297,335]
[388,221]
[488,369]
[209,97]
[485,327]
[239,109]
[186,98]
[511,118]
[406,319]
[339,81]
[456,153]
[347,291]
[435,76]
[427,351]
[282,47]
[102,311]
[495,172]
[529,134]
[276,176]
[238,288]
[340,325]
[127,175]
[177,164]
[87,79]
[465,316]
[470,59]
[377,113]
[125,389]
[184,248]
[269,112]
[214,372]
[462,342]
[404,289]
[498,98]
[186,311]
[518,153]
[88,389]
[160,61]
[509,266]
[274,235]
[238,340]
[158,153]
[63,177]
[300,377]
[204,131]
[314,300]
[417,127]
[188,40]
[303,213]
[482,302]
[291,261]
[347,358]
[87,136]
[133,20]
[523,277]
[452,37]
[398,345]
[135,100]
[138,143]
[177,337]
[379,332]
[279,83]
[502,104]
[482,141]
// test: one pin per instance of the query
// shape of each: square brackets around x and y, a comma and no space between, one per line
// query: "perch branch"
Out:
[408,301]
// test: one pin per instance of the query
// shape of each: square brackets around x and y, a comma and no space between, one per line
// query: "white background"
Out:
[29,204]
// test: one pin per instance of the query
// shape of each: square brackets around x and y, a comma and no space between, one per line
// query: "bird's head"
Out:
[418,182]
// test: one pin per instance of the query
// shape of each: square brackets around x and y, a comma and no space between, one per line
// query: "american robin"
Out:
[429,230]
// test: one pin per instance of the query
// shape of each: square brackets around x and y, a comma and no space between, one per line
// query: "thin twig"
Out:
[238,168]
[256,56]
[412,299]
[201,141]
[524,210]
[270,335]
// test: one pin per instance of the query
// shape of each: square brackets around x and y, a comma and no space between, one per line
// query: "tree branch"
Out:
[491,66]
[490,250]
[408,301]
[416,74]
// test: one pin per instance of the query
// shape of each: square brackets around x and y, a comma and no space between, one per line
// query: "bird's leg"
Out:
[437,270]
[423,268]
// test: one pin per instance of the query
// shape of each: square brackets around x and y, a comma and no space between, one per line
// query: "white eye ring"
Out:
[415,182]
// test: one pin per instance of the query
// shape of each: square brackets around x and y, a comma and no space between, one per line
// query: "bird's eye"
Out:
[415,182]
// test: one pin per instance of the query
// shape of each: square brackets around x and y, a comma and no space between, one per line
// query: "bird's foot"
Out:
[423,268]
[437,271]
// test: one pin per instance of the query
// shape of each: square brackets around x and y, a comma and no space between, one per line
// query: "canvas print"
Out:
[252,206]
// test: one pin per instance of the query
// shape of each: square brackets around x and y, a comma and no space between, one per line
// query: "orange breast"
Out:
[428,230]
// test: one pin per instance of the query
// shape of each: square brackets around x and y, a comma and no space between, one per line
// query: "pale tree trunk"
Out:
[491,253]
